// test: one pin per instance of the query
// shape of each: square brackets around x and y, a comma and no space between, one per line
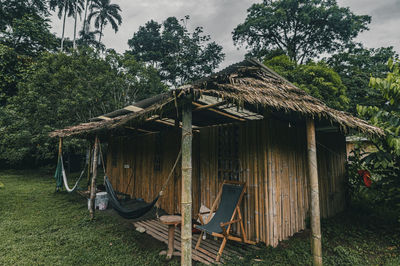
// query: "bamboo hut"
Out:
[247,124]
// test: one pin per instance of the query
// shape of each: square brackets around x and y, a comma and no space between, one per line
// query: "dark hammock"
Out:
[125,212]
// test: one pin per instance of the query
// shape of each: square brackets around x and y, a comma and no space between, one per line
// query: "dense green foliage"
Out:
[179,55]
[24,26]
[12,66]
[24,34]
[384,163]
[11,10]
[59,90]
[355,66]
[29,35]
[318,79]
[38,226]
[303,29]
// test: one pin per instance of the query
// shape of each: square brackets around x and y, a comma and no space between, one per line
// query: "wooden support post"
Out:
[186,204]
[316,248]
[93,184]
[171,235]
[89,166]
[60,142]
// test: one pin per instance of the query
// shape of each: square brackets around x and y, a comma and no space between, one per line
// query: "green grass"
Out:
[40,227]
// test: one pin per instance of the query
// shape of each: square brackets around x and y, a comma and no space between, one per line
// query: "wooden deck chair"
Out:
[229,197]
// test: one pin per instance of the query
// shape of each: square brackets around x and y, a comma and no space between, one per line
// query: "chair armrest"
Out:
[228,223]
[224,231]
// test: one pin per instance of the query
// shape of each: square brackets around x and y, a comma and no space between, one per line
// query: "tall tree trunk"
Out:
[63,30]
[76,13]
[85,17]
[101,32]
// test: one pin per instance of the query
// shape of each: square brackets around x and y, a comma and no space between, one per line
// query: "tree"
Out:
[179,55]
[78,7]
[88,38]
[88,6]
[384,163]
[355,66]
[60,90]
[303,29]
[11,10]
[24,34]
[317,79]
[103,13]
[12,66]
[29,35]
[65,8]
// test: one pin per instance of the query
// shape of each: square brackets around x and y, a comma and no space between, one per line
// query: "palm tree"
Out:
[88,38]
[87,4]
[78,7]
[65,8]
[103,13]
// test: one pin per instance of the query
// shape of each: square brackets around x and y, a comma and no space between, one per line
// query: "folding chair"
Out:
[229,197]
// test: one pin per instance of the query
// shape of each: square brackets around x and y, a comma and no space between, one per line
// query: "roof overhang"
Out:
[239,93]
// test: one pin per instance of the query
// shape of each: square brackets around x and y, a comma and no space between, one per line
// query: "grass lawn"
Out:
[38,226]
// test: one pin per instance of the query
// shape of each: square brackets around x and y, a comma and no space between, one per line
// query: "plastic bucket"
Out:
[101,201]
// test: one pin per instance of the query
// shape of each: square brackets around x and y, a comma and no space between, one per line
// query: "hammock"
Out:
[61,177]
[137,212]
[125,212]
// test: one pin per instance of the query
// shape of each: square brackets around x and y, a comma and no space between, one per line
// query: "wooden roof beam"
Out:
[140,130]
[202,107]
[133,108]
[173,125]
[219,112]
[165,122]
[102,117]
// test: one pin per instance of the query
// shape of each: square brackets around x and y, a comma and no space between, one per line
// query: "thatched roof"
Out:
[247,82]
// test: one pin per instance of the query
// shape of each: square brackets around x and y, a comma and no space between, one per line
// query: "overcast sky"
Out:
[220,17]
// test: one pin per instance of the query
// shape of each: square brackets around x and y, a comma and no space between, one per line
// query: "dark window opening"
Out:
[228,153]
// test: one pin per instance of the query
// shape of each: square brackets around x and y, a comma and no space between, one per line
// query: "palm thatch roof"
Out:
[248,82]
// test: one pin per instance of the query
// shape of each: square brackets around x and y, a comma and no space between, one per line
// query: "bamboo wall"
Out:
[272,161]
[141,179]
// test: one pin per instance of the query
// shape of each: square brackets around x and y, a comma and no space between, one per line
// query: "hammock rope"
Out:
[66,181]
[60,175]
